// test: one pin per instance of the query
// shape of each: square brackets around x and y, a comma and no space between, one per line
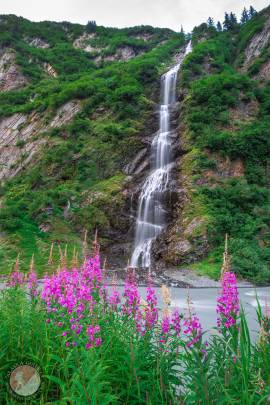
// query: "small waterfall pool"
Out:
[151,214]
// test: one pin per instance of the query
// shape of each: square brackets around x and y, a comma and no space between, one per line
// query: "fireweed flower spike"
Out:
[192,328]
[165,326]
[176,322]
[16,278]
[72,298]
[228,301]
[151,311]
[132,297]
[32,283]
[114,298]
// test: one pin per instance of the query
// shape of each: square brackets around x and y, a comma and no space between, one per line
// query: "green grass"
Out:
[209,267]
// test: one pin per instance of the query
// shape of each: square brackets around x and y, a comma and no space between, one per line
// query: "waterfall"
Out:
[151,214]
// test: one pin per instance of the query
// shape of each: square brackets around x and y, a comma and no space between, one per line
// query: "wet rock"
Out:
[136,162]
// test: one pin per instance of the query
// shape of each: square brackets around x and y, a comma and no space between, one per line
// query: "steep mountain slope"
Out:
[225,133]
[78,109]
[74,104]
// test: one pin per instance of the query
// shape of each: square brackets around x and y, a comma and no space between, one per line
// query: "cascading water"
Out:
[151,214]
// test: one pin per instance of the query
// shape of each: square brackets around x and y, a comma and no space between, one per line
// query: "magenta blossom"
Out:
[192,329]
[114,299]
[228,301]
[176,322]
[93,339]
[16,279]
[151,311]
[32,283]
[131,294]
[165,328]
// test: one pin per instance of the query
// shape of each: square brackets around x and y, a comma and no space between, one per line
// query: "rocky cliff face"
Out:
[122,53]
[257,43]
[37,43]
[22,137]
[11,77]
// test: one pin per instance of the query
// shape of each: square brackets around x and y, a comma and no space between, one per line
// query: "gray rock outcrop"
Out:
[11,77]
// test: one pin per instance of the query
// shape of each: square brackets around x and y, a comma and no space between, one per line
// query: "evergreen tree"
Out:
[226,22]
[230,21]
[252,12]
[233,19]
[244,16]
[219,26]
[210,22]
[91,26]
[182,30]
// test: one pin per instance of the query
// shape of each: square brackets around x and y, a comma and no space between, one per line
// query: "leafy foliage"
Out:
[81,164]
[227,115]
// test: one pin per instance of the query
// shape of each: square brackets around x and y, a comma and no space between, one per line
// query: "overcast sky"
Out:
[125,13]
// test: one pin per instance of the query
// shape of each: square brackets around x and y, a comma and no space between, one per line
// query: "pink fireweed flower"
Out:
[151,311]
[92,272]
[192,329]
[228,301]
[176,322]
[32,282]
[72,296]
[151,297]
[132,296]
[114,299]
[165,327]
[98,342]
[16,279]
[93,338]
[138,317]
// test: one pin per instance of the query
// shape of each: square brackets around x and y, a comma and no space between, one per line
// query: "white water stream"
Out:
[151,215]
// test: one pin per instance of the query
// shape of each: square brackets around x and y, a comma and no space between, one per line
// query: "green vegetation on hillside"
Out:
[81,163]
[76,180]
[228,117]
